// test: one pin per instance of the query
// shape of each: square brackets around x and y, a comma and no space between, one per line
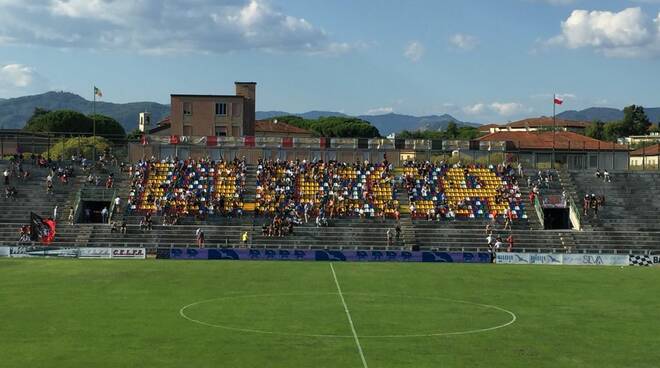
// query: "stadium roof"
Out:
[647,151]
[544,141]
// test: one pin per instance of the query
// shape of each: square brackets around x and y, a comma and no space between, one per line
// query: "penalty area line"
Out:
[350,320]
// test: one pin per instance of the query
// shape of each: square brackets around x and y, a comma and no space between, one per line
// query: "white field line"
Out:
[350,320]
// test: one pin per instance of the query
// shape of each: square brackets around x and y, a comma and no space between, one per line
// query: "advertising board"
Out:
[529,258]
[88,253]
[128,253]
[321,255]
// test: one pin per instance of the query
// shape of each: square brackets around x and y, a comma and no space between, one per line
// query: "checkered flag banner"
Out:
[643,261]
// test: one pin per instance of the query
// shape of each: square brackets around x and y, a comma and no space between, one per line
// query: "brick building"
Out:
[214,115]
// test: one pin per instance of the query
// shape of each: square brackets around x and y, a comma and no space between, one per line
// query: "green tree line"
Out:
[634,122]
[73,122]
[452,132]
[334,126]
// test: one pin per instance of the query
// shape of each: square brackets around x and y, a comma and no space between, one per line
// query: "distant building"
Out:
[537,124]
[646,157]
[637,139]
[214,115]
[536,149]
[275,128]
[144,121]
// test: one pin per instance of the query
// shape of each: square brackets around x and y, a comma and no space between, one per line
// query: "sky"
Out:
[481,61]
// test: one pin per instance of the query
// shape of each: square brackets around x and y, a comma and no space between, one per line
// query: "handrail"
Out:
[539,211]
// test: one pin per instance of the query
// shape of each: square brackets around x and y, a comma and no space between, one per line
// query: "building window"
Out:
[221,109]
[220,131]
[187,108]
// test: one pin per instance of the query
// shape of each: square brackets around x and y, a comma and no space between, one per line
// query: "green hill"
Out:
[14,112]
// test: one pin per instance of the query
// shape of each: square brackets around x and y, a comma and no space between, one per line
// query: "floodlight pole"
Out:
[554,129]
[94,125]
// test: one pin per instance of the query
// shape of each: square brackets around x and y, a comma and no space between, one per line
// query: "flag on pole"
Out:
[97,92]
[559,101]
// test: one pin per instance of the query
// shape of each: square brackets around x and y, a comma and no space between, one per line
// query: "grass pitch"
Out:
[93,313]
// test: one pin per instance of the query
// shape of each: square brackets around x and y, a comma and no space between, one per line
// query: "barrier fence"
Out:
[253,254]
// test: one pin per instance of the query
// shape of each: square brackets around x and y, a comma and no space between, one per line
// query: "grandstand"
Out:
[451,206]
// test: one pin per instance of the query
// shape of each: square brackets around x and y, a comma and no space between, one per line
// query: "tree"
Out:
[38,111]
[596,130]
[635,121]
[78,145]
[333,126]
[72,122]
[134,134]
[452,130]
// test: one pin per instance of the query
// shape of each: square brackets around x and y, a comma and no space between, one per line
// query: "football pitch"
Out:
[94,313]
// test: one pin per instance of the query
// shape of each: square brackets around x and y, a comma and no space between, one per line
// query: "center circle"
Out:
[322,315]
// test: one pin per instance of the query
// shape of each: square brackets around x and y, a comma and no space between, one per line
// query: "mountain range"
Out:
[14,112]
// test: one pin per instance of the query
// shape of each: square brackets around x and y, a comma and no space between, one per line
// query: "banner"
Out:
[655,260]
[128,253]
[595,259]
[321,255]
[644,261]
[529,258]
[41,251]
[4,251]
[562,259]
[89,253]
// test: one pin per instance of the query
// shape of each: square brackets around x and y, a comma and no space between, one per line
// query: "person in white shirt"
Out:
[104,215]
[117,204]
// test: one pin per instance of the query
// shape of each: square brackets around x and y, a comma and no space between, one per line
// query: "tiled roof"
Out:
[647,151]
[544,141]
[546,122]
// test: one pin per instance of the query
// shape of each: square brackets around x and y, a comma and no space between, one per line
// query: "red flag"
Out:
[559,101]
[287,142]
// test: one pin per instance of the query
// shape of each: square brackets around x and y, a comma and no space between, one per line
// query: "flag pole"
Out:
[94,125]
[554,129]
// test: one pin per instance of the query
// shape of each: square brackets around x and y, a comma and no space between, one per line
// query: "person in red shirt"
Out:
[509,241]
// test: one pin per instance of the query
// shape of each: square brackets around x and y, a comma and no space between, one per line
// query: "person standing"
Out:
[55,213]
[199,233]
[244,238]
[117,205]
[71,214]
[6,175]
[104,215]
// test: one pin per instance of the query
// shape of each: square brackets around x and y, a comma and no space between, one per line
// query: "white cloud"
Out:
[499,108]
[628,33]
[17,79]
[476,109]
[167,26]
[380,111]
[414,51]
[464,41]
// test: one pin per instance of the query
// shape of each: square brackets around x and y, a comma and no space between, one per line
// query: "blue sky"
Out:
[482,61]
